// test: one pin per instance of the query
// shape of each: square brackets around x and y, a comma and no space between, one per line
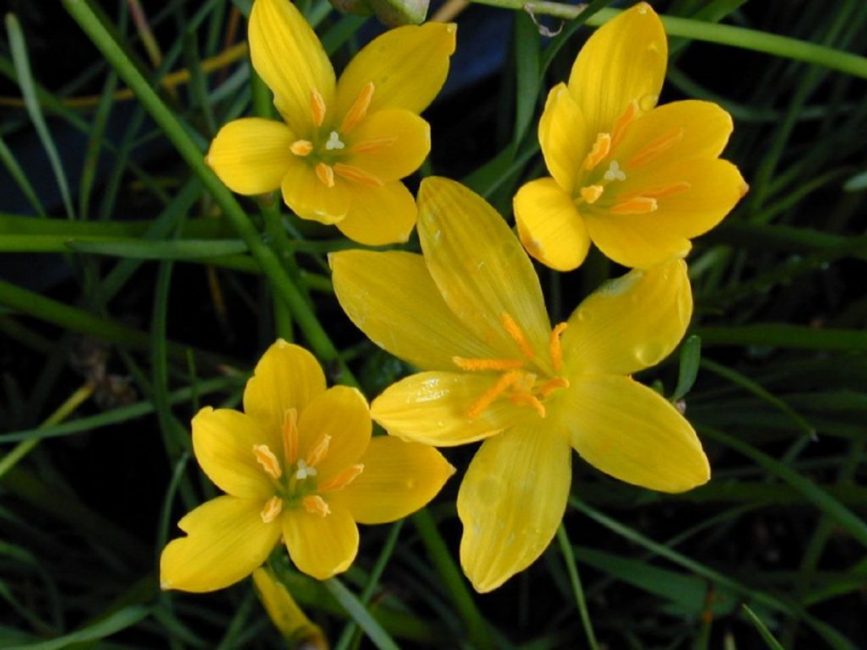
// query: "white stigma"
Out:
[614,172]
[334,142]
[304,471]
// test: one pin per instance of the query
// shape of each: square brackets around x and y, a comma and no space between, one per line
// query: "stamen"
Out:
[319,451]
[268,461]
[667,190]
[316,505]
[374,144]
[517,335]
[357,175]
[555,383]
[358,109]
[301,147]
[554,348]
[614,173]
[290,436]
[591,193]
[334,142]
[526,399]
[325,174]
[487,398]
[317,107]
[601,148]
[273,507]
[623,122]
[343,479]
[656,148]
[304,470]
[487,364]
[637,205]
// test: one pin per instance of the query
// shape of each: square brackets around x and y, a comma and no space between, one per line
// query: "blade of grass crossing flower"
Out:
[100,629]
[360,615]
[34,110]
[20,178]
[577,588]
[529,77]
[768,638]
[690,359]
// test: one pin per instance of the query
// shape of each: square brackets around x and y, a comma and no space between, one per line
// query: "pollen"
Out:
[591,193]
[268,461]
[301,148]
[554,347]
[656,148]
[319,451]
[343,478]
[317,107]
[358,110]
[325,173]
[357,175]
[487,364]
[517,335]
[273,508]
[316,505]
[637,205]
[601,148]
[487,398]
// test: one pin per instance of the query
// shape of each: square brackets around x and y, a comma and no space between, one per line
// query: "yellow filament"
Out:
[290,435]
[301,147]
[358,109]
[591,193]
[374,144]
[325,174]
[526,399]
[316,505]
[319,451]
[551,385]
[601,148]
[343,479]
[554,347]
[623,122]
[268,461]
[317,107]
[357,175]
[487,364]
[273,507]
[517,335]
[637,205]
[656,148]
[487,398]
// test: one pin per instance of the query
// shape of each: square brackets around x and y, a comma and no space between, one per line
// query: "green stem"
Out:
[360,615]
[318,339]
[577,588]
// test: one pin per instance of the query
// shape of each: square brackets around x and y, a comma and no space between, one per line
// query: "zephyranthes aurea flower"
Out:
[470,312]
[299,464]
[637,180]
[344,145]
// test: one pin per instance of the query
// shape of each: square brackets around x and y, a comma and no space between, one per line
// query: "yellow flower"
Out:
[637,180]
[345,145]
[470,312]
[298,464]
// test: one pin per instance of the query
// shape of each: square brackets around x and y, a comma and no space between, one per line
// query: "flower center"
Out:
[328,150]
[603,174]
[517,382]
[297,481]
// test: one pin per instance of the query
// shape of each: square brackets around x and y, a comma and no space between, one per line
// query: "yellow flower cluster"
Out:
[300,465]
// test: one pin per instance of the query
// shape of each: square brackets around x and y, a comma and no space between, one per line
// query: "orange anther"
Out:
[555,383]
[601,148]
[301,147]
[487,364]
[554,347]
[343,478]
[487,398]
[290,436]
[357,175]
[591,193]
[273,507]
[517,335]
[622,122]
[665,191]
[656,148]
[319,451]
[636,205]
[374,144]
[526,399]
[317,107]
[316,505]
[325,173]
[268,461]
[359,107]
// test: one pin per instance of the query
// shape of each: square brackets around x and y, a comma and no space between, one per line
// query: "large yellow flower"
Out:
[471,313]
[345,145]
[637,180]
[298,464]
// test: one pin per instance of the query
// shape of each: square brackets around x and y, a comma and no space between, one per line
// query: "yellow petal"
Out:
[549,225]
[564,137]
[398,478]
[630,323]
[393,300]
[379,215]
[479,266]
[623,61]
[635,240]
[433,407]
[251,155]
[407,65]
[632,433]
[342,413]
[511,502]
[698,129]
[389,144]
[289,57]
[310,198]
[287,376]
[223,442]
[320,546]
[226,539]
